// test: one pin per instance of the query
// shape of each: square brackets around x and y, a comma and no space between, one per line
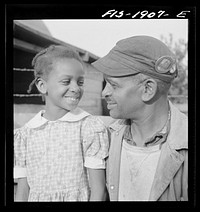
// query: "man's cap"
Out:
[139,54]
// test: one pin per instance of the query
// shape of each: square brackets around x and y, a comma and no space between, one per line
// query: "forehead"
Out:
[68,66]
[119,80]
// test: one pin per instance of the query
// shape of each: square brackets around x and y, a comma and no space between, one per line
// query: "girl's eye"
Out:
[66,82]
[80,83]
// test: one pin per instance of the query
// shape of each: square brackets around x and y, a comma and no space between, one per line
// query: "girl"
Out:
[62,147]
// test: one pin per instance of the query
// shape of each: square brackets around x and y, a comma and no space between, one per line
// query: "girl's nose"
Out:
[74,87]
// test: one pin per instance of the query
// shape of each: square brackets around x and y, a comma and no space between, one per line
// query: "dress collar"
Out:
[76,115]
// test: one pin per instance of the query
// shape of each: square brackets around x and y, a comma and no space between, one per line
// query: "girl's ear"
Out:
[41,85]
[150,90]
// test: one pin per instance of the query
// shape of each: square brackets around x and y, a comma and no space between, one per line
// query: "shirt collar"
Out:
[118,124]
[76,115]
[178,138]
[178,135]
[158,138]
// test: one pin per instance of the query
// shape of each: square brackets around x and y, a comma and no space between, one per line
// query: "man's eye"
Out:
[113,85]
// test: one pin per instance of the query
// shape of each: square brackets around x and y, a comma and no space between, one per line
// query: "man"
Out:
[148,158]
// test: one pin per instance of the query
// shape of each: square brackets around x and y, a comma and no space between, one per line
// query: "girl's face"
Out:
[123,96]
[64,85]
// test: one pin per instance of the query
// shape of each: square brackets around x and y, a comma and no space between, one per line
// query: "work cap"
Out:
[139,54]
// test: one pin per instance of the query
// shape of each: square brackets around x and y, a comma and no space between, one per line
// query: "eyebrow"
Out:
[107,79]
[70,76]
[111,81]
[123,76]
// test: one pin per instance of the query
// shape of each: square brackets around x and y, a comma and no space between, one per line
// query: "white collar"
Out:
[76,115]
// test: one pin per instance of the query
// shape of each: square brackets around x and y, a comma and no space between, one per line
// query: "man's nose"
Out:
[106,91]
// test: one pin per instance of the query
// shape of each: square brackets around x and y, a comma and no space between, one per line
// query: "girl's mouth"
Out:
[72,99]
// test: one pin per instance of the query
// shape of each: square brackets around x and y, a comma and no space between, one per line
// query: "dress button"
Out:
[112,187]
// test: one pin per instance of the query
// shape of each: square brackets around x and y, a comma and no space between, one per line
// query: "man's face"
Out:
[123,97]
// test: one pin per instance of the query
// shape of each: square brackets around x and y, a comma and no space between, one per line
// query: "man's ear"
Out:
[149,90]
[41,85]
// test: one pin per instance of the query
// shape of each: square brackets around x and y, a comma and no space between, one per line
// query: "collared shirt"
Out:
[158,138]
[137,170]
[139,162]
[171,178]
[52,155]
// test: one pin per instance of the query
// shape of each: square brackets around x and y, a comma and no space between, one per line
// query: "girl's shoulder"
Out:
[94,118]
[32,123]
[21,133]
[94,122]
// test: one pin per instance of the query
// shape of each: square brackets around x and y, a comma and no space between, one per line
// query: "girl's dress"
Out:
[53,155]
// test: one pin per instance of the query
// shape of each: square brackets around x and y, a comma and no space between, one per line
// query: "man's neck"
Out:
[152,120]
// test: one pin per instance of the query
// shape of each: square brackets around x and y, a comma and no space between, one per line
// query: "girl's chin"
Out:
[114,114]
[71,107]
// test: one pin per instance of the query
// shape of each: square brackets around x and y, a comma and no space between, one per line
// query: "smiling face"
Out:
[64,86]
[123,96]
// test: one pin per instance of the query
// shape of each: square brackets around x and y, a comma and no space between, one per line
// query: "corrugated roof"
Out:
[35,31]
[36,24]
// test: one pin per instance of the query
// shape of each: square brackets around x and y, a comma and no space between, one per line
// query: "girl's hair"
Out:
[43,61]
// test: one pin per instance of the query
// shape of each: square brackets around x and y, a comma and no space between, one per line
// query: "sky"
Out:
[99,36]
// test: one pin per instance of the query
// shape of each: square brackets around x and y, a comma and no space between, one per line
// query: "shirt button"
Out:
[117,133]
[112,187]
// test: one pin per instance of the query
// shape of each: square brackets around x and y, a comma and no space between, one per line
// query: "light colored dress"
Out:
[53,155]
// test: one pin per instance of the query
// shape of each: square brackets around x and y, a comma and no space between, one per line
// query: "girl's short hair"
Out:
[43,61]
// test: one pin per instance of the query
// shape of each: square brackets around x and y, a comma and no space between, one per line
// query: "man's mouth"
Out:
[111,105]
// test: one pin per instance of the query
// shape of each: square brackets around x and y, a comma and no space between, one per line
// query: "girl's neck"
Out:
[54,113]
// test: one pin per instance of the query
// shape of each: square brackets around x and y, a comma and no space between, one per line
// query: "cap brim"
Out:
[107,65]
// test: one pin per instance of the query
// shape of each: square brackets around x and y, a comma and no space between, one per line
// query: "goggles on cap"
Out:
[163,65]
[166,65]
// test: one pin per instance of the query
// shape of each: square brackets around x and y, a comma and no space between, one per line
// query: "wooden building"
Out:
[30,37]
